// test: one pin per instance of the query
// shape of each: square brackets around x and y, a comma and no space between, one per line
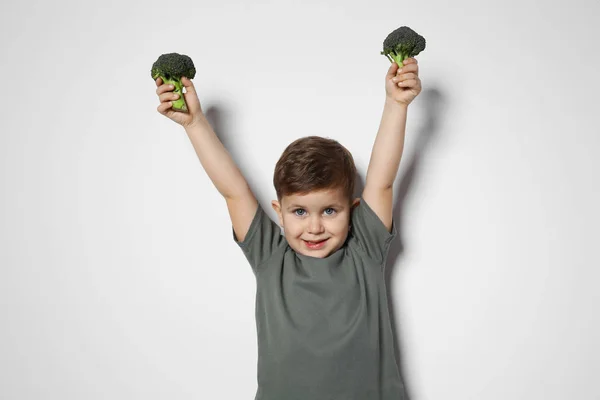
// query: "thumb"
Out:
[191,97]
[392,70]
[188,84]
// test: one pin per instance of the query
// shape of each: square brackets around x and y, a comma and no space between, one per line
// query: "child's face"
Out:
[322,215]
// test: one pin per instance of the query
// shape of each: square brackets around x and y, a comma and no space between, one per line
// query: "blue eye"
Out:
[301,209]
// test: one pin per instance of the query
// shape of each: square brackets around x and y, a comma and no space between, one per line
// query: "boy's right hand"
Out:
[166,95]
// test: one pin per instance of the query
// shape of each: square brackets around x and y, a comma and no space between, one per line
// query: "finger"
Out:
[164,107]
[188,84]
[408,68]
[158,81]
[392,70]
[190,95]
[164,88]
[168,96]
[403,77]
[408,83]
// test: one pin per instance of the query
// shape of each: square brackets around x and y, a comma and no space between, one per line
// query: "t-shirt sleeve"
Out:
[262,240]
[369,232]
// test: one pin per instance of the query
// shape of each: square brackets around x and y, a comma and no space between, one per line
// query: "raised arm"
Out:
[226,177]
[402,86]
[218,164]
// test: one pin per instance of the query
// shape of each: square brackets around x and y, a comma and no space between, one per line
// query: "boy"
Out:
[323,325]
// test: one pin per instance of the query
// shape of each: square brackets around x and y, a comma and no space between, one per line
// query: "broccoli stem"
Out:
[399,58]
[179,104]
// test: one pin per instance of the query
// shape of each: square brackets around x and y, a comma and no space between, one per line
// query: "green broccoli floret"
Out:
[170,68]
[402,44]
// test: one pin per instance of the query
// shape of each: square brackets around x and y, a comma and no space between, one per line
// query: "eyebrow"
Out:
[335,205]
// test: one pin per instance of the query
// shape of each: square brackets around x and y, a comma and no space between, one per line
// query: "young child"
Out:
[323,324]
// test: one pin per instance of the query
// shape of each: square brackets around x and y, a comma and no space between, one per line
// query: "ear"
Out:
[277,207]
[355,202]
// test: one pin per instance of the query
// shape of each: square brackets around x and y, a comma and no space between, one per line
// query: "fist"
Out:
[167,97]
[402,85]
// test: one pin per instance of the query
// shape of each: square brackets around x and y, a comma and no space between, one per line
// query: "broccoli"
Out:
[402,44]
[170,68]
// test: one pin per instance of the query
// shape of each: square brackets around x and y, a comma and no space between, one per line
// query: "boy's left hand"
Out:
[402,86]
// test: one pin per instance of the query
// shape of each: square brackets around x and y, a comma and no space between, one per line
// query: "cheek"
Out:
[338,230]
[292,228]
[342,226]
[343,232]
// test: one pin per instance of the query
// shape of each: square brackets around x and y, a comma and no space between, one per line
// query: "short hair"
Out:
[314,163]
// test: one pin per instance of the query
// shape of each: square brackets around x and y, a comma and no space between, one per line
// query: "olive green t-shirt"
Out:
[323,324]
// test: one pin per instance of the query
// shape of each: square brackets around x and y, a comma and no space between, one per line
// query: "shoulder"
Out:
[369,233]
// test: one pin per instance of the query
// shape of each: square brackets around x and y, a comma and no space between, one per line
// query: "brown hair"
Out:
[314,163]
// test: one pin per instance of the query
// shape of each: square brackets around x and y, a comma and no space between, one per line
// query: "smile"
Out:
[315,246]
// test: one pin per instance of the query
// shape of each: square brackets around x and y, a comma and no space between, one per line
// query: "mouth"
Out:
[315,245]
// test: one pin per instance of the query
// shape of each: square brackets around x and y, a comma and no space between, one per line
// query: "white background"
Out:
[119,277]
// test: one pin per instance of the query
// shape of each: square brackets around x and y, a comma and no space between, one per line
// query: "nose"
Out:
[315,226]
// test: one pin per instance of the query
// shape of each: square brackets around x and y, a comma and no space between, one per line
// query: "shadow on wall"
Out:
[222,119]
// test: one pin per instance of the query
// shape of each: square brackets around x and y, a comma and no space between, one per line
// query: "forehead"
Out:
[315,199]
